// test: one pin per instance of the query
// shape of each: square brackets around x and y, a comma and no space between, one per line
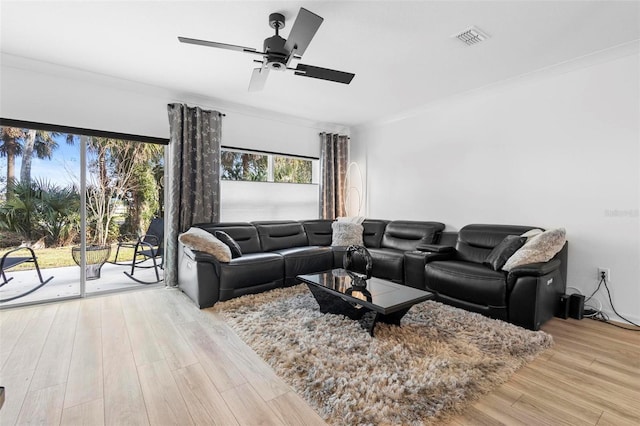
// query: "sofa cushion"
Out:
[230,242]
[305,260]
[503,251]
[373,232]
[406,235]
[347,234]
[243,233]
[540,248]
[276,235]
[250,270]
[467,281]
[201,240]
[387,264]
[476,241]
[319,232]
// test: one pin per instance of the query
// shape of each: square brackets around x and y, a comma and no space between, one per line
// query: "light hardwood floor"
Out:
[151,357]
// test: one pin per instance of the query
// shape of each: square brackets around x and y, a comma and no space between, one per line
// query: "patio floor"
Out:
[66,282]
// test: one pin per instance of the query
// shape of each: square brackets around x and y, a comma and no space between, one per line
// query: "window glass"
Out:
[292,170]
[238,165]
[258,167]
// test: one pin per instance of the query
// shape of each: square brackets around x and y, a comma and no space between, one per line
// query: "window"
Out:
[262,167]
[267,186]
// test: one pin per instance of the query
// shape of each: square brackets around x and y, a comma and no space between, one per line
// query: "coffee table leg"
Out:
[393,318]
[367,318]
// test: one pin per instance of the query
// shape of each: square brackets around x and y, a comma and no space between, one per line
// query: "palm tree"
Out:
[11,147]
[40,142]
[43,144]
[17,142]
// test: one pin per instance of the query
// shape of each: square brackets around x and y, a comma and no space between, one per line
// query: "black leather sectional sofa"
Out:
[414,253]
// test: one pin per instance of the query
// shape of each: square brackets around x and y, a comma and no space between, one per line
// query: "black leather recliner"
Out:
[206,281]
[527,295]
[289,239]
[401,236]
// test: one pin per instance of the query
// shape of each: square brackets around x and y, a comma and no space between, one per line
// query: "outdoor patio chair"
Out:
[10,259]
[148,247]
[131,240]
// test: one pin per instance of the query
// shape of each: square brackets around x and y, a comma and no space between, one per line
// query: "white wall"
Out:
[46,93]
[554,149]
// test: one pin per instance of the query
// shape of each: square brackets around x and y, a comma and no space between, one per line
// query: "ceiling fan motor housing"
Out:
[276,53]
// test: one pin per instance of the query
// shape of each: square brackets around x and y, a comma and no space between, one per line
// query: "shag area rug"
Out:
[432,367]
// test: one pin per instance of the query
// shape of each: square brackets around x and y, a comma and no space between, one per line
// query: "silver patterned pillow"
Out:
[347,234]
[540,248]
[201,240]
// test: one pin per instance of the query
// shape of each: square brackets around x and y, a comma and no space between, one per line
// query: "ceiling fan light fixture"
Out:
[472,35]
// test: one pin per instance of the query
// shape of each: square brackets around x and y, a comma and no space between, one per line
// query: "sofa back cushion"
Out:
[276,235]
[373,232]
[319,231]
[243,233]
[476,241]
[406,235]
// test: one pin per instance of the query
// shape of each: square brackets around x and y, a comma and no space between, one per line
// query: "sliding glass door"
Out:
[71,202]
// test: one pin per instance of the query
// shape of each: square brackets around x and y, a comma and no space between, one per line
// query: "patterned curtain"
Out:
[334,157]
[193,176]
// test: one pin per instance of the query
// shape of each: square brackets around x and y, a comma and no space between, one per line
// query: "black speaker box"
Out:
[576,306]
[563,307]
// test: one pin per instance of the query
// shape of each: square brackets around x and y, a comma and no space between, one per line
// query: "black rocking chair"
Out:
[148,246]
[8,262]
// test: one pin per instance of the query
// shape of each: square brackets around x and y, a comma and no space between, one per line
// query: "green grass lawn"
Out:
[61,256]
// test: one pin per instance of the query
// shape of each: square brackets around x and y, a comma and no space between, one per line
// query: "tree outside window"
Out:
[256,167]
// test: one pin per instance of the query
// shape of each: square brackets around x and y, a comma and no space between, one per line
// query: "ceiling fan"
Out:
[278,52]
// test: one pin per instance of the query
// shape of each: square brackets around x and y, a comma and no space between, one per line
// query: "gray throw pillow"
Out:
[540,248]
[503,251]
[347,234]
[233,245]
[201,240]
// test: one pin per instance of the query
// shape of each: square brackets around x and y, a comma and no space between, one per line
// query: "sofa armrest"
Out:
[414,263]
[201,256]
[198,276]
[534,296]
[435,248]
[534,269]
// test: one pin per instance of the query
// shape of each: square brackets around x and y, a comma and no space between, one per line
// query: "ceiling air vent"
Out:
[471,36]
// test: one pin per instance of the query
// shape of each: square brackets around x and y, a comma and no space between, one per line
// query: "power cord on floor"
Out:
[597,313]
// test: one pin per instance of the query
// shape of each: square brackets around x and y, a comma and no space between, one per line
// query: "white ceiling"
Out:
[402,53]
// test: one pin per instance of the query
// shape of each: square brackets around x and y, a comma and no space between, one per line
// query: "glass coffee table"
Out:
[380,301]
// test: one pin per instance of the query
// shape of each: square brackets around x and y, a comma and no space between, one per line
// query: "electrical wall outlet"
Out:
[606,272]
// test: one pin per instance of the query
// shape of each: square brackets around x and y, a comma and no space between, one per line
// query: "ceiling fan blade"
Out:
[258,79]
[219,45]
[303,30]
[324,73]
